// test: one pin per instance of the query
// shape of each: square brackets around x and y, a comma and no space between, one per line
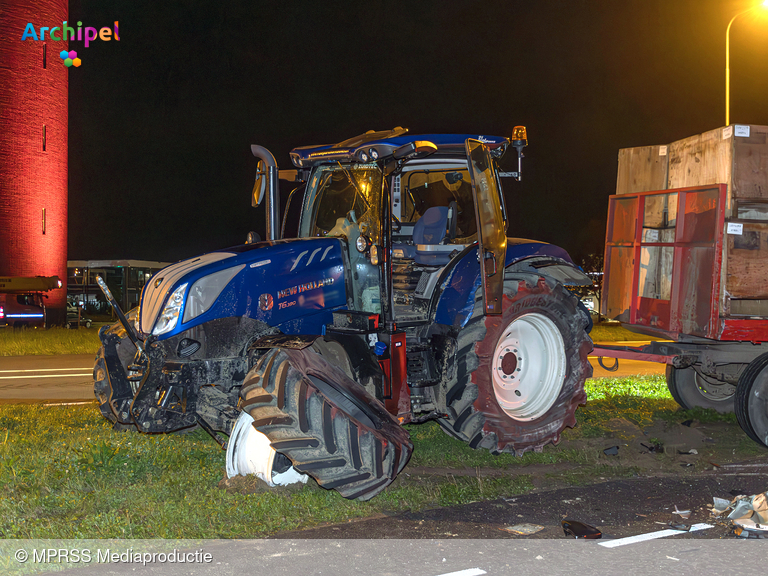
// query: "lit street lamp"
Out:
[727,57]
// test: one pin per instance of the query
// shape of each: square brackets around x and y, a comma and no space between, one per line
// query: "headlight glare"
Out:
[204,292]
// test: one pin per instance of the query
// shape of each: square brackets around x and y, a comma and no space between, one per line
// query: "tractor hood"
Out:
[274,282]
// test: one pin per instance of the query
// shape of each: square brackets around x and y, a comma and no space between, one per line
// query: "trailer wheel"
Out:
[751,403]
[327,425]
[691,389]
[520,375]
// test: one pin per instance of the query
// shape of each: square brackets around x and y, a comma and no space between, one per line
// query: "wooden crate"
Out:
[734,155]
[642,169]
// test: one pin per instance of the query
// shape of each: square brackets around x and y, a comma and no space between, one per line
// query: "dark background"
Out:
[161,122]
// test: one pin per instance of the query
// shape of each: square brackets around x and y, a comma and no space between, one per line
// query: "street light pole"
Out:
[727,61]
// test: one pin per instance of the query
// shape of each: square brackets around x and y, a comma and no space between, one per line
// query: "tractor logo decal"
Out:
[265,302]
[293,290]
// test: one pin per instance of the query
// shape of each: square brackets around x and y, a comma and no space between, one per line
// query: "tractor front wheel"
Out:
[327,425]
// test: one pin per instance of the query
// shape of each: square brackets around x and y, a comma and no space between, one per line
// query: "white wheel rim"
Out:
[528,367]
[250,452]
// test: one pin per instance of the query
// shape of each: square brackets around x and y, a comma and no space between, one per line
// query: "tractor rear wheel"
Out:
[751,401]
[327,425]
[691,389]
[520,375]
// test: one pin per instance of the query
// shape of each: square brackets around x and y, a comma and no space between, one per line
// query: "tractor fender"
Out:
[456,297]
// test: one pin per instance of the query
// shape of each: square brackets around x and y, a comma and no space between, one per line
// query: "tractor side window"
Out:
[427,188]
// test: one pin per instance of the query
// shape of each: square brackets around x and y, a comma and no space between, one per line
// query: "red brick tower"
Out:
[33,147]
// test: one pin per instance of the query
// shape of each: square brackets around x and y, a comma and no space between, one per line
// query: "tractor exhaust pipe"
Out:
[267,181]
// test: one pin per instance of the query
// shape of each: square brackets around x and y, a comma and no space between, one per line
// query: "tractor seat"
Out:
[429,234]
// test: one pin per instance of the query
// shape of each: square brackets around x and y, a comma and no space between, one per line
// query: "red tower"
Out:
[33,147]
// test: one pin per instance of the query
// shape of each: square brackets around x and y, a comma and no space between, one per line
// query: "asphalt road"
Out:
[69,378]
[66,378]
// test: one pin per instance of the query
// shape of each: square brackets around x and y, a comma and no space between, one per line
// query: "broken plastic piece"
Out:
[612,451]
[524,529]
[687,423]
[654,448]
[678,526]
[580,529]
[683,513]
[720,505]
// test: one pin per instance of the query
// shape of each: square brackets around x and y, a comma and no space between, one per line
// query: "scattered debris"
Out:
[681,527]
[684,514]
[673,558]
[687,423]
[654,448]
[573,501]
[748,514]
[580,530]
[524,529]
[714,464]
[612,451]
[686,464]
[691,452]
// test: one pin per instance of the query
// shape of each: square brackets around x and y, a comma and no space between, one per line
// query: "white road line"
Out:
[46,376]
[651,536]
[70,403]
[42,370]
[467,572]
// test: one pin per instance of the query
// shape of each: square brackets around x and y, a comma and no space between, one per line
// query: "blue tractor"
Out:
[400,300]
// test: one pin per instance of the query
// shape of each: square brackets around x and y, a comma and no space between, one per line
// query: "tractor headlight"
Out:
[204,292]
[170,315]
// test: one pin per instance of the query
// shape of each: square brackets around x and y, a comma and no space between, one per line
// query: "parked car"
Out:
[72,318]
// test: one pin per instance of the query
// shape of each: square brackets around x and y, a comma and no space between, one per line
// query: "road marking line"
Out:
[652,536]
[467,572]
[46,376]
[70,403]
[43,370]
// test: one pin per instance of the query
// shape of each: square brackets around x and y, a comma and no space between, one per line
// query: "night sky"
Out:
[161,123]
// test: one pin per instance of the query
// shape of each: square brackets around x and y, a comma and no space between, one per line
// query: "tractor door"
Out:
[491,227]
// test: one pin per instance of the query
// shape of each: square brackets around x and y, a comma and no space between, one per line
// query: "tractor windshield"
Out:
[345,201]
[343,193]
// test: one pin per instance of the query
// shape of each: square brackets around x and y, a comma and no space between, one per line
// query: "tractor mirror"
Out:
[260,185]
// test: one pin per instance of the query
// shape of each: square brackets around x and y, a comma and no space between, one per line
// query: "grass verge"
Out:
[66,474]
[53,341]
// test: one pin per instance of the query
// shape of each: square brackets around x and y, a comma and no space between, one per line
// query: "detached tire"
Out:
[325,423]
[520,375]
[751,400]
[690,389]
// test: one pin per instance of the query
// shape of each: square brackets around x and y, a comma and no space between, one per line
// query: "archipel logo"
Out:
[70,58]
[65,33]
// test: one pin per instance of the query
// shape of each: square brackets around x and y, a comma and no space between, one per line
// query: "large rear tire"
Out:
[691,389]
[326,424]
[520,375]
[751,400]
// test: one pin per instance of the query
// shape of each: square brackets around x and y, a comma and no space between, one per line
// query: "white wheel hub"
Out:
[528,367]
[250,452]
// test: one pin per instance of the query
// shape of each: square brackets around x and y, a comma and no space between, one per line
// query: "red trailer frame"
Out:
[693,306]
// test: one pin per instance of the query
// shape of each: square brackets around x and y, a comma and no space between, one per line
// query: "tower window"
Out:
[45,55]
[44,137]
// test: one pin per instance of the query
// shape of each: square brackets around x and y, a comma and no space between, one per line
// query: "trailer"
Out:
[686,259]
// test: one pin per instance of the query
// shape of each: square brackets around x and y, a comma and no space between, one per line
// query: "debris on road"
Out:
[684,514]
[748,514]
[580,530]
[524,529]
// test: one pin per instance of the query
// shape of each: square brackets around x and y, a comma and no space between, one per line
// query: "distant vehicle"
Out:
[72,318]
[21,310]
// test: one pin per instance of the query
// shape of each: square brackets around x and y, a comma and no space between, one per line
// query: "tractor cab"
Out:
[407,208]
